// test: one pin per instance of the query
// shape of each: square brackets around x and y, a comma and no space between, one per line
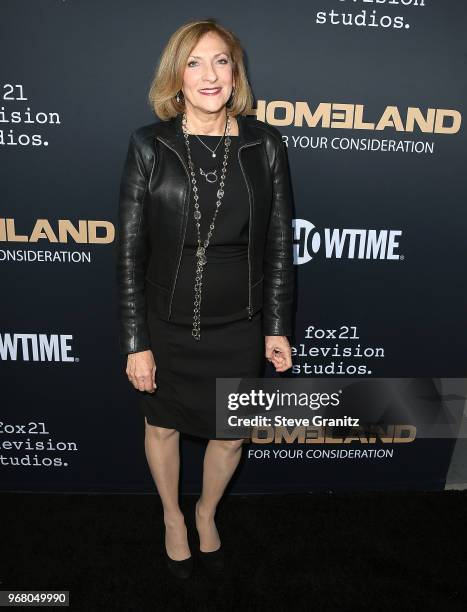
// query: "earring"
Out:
[230,100]
[177,97]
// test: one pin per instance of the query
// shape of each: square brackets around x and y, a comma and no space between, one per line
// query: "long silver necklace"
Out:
[201,250]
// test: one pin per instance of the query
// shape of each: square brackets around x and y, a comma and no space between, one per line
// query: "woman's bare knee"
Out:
[161,433]
[231,445]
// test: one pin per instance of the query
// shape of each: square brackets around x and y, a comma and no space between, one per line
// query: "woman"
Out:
[205,269]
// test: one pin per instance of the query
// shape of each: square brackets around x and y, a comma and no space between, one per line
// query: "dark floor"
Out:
[342,551]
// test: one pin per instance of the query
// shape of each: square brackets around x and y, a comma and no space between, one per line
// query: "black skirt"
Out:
[186,370]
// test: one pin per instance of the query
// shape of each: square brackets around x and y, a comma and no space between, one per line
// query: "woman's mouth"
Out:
[210,91]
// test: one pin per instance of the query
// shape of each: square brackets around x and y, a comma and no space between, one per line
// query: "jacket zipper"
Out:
[250,225]
[184,233]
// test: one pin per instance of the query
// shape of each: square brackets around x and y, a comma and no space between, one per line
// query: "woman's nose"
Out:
[210,73]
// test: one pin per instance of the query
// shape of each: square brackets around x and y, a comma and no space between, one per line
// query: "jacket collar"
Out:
[171,133]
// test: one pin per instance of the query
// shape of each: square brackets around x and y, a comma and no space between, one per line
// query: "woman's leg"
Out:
[162,453]
[220,461]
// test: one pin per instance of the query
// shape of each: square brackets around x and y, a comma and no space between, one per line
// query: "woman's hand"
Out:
[141,370]
[278,352]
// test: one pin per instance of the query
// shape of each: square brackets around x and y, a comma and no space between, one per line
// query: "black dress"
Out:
[231,345]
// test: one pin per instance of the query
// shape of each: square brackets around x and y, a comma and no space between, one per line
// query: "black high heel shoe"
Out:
[214,561]
[180,569]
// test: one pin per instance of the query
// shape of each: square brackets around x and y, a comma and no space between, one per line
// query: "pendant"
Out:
[214,155]
[206,175]
[200,254]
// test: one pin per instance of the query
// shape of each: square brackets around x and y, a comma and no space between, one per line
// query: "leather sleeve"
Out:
[132,252]
[279,274]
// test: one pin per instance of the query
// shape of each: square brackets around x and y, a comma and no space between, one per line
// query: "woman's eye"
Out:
[223,59]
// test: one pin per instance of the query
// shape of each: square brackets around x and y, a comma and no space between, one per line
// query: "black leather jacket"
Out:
[155,192]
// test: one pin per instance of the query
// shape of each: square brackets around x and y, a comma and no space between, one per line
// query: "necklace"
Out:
[213,151]
[209,173]
[212,173]
[201,251]
[206,174]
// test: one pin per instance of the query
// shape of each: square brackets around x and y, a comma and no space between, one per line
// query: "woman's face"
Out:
[208,67]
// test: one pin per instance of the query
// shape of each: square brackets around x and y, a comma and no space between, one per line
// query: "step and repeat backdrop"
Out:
[369,97]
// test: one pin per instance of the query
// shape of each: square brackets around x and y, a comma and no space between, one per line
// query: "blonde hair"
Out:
[168,75]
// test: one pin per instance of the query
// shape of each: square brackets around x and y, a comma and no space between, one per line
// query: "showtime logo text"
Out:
[35,347]
[343,243]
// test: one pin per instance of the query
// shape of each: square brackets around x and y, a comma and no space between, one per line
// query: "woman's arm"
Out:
[278,257]
[132,251]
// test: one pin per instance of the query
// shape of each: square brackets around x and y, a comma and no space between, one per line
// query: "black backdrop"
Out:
[74,81]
